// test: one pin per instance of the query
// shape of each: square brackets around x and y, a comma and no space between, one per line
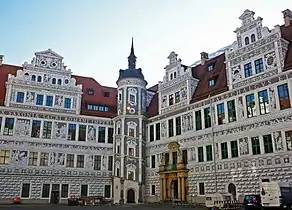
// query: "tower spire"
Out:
[132,57]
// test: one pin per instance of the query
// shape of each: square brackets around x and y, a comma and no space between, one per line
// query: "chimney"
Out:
[287,17]
[1,59]
[204,57]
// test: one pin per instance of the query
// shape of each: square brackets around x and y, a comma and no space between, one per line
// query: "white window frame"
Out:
[132,92]
[131,168]
[21,190]
[199,189]
[111,194]
[132,125]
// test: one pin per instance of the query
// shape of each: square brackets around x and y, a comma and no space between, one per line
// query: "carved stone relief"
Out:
[30,97]
[19,157]
[60,131]
[289,141]
[240,108]
[193,153]
[104,162]
[74,103]
[270,61]
[59,100]
[243,146]
[164,102]
[164,129]
[273,105]
[187,122]
[47,78]
[148,161]
[278,141]
[183,94]
[89,161]
[12,96]
[236,74]
[149,99]
[57,159]
[22,127]
[91,133]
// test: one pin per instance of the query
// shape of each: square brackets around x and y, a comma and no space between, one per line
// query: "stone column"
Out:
[183,197]
[164,189]
[161,189]
[179,188]
[169,188]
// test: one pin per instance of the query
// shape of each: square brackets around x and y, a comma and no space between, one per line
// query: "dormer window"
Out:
[211,82]
[246,41]
[253,38]
[106,94]
[90,92]
[210,67]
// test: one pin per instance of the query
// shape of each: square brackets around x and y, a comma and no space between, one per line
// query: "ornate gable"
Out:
[48,59]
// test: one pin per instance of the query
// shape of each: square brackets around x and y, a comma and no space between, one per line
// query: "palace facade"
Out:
[222,124]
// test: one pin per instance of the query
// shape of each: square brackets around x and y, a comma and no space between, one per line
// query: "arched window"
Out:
[252,38]
[246,40]
[33,77]
[39,78]
[174,74]
[54,81]
[171,76]
[59,82]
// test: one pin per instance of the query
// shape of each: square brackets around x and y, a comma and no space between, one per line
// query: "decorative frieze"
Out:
[132,82]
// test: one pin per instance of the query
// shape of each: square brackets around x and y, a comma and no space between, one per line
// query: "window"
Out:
[33,77]
[231,111]
[110,135]
[253,38]
[98,108]
[234,149]
[39,99]
[170,128]
[4,157]
[185,156]
[20,97]
[210,67]
[263,102]
[174,157]
[72,132]
[152,161]
[59,82]
[255,144]
[259,65]
[131,175]
[211,82]
[177,97]
[80,161]
[8,127]
[166,158]
[201,189]
[44,161]
[101,134]
[198,117]
[97,163]
[247,70]
[209,152]
[47,130]
[90,92]
[200,154]
[220,113]
[82,133]
[110,163]
[151,133]
[64,190]
[46,190]
[67,103]
[170,100]
[157,131]
[284,98]
[132,98]
[84,190]
[246,41]
[132,132]
[107,191]
[39,79]
[32,158]
[118,172]
[106,94]
[25,190]
[70,160]
[207,116]
[178,125]
[54,81]
[224,150]
[153,189]
[268,143]
[250,105]
[36,129]
[131,152]
[49,100]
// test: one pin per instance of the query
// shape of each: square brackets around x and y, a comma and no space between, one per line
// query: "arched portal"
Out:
[232,190]
[130,196]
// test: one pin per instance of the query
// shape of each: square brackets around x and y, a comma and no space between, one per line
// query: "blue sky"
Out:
[94,36]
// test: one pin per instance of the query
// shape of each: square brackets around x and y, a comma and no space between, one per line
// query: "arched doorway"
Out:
[232,190]
[130,196]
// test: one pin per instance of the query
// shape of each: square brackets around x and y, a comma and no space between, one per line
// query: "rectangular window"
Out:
[255,145]
[200,154]
[131,152]
[157,131]
[47,130]
[33,159]
[25,190]
[247,70]
[153,189]
[185,156]
[170,100]
[131,132]
[268,143]
[44,161]
[39,99]
[177,97]
[36,129]
[259,66]
[166,158]
[70,160]
[20,97]
[198,118]
[210,67]
[67,103]
[49,100]
[220,113]
[107,191]
[234,149]
[284,98]
[263,102]
[110,135]
[97,162]
[170,128]
[82,133]
[211,82]
[250,105]
[101,134]
[110,163]
[231,111]
[84,190]
[131,175]
[201,189]
[80,161]
[174,157]
[4,157]
[209,152]
[207,116]
[8,127]
[224,150]
[152,161]
[46,190]
[151,133]
[72,132]
[178,125]
[64,190]
[132,98]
